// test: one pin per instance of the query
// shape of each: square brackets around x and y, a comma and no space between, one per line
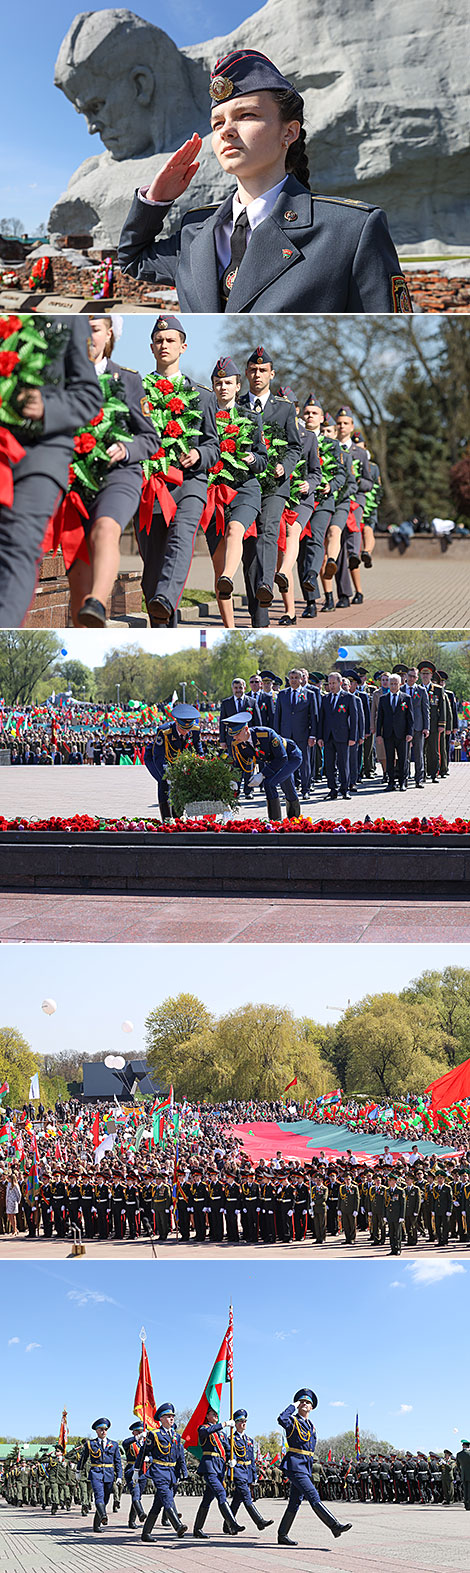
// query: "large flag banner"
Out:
[357,1440]
[305,1139]
[144,1401]
[222,1371]
[34,1086]
[64,1431]
[450,1088]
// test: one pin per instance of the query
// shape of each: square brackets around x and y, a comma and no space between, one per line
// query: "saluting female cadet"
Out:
[241,513]
[118,499]
[271,246]
[301,1440]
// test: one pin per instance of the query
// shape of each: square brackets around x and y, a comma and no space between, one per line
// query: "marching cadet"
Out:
[242,511]
[134,1478]
[437,719]
[412,1210]
[275,249]
[104,1459]
[357,463]
[277,758]
[51,415]
[114,505]
[279,422]
[167,549]
[333,480]
[181,733]
[301,1440]
[395,1212]
[244,1473]
[167,1466]
[215,1451]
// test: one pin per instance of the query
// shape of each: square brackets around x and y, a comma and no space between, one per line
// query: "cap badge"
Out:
[291,217]
[221,87]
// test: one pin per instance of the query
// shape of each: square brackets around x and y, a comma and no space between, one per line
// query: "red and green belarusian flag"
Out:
[222,1371]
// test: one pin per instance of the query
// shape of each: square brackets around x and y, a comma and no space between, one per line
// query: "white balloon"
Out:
[119,1062]
[127,1026]
[49,1007]
[110,1061]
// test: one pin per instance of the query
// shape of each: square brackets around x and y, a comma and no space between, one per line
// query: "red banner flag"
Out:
[64,1431]
[291,1084]
[144,1401]
[451,1087]
[95,1130]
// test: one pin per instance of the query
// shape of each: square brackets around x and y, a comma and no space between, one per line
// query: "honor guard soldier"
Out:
[167,1466]
[105,1463]
[276,757]
[279,250]
[301,1440]
[279,422]
[181,733]
[244,1473]
[433,747]
[215,1450]
[395,1211]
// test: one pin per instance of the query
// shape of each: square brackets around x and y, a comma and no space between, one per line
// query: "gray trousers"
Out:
[168,550]
[22,530]
[417,755]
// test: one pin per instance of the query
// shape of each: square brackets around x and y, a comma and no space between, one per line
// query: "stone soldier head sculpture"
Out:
[112,66]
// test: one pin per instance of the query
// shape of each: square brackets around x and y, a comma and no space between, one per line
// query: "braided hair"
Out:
[291,107]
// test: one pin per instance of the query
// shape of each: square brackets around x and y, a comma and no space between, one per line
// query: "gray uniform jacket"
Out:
[312,254]
[71,401]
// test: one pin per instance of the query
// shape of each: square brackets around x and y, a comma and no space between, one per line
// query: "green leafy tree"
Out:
[177,1029]
[269,1442]
[418,448]
[447,997]
[384,1047]
[78,677]
[17,1064]
[27,664]
[262,1049]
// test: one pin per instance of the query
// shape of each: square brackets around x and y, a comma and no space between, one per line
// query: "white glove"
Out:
[257,779]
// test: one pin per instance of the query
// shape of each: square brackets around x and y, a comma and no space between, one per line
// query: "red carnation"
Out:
[8,360]
[164,386]
[232,430]
[173,429]
[228,446]
[84,443]
[223,415]
[176,406]
[216,468]
[97,419]
[9,325]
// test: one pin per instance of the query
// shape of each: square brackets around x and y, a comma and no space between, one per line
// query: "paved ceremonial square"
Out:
[112,791]
[22,1249]
[423,1539]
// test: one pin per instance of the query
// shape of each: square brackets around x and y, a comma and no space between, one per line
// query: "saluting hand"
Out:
[177,173]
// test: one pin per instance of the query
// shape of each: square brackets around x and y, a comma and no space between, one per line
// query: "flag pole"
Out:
[231,1396]
[142,1336]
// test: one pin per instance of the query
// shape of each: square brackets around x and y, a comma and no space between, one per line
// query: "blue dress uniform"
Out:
[245,1475]
[301,1440]
[278,758]
[167,1466]
[168,743]
[134,1478]
[310,254]
[105,1466]
[72,397]
[215,1451]
[260,552]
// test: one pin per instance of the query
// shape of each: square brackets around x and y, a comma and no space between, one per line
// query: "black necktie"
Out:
[258,407]
[237,251]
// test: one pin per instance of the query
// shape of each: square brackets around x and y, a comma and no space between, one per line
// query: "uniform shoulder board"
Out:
[261,731]
[345,202]
[209,207]
[132,369]
[202,387]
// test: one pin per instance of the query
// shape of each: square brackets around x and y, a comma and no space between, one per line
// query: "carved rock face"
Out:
[384,95]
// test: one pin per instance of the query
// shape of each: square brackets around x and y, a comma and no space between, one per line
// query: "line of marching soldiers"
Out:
[261,1210]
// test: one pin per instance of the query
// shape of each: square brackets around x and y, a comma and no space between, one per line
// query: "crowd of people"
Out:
[273,483]
[393,729]
[200,1185]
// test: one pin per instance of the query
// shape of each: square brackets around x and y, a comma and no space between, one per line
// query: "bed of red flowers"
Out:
[81,823]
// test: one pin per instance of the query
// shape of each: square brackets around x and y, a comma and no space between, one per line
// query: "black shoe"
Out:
[225,587]
[341,1530]
[283,1540]
[390,788]
[264,594]
[328,604]
[159,610]
[346,794]
[287,622]
[342,602]
[331,797]
[330,569]
[92,614]
[403,787]
[357,599]
[308,588]
[366,559]
[420,785]
[354,560]
[310,609]
[200,1535]
[282,580]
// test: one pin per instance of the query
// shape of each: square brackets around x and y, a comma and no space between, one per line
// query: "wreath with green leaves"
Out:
[237,434]
[90,466]
[27,355]
[176,414]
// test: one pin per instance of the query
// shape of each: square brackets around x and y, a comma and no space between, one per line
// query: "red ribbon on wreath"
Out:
[10,453]
[65,529]
[156,488]
[218,498]
[287,518]
[350,521]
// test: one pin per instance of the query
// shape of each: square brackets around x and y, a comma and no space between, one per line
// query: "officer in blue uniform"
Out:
[215,1450]
[301,1440]
[167,1466]
[134,1479]
[105,1467]
[277,757]
[300,253]
[244,1472]
[181,733]
[260,552]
